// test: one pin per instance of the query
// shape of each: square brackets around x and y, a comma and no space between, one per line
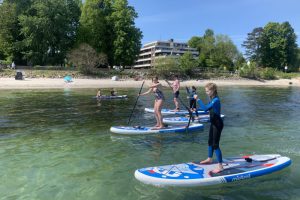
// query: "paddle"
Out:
[191,114]
[136,102]
[188,109]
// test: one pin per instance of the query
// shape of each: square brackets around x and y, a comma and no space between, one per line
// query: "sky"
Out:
[183,19]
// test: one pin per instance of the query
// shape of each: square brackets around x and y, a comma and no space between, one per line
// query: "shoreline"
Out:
[56,83]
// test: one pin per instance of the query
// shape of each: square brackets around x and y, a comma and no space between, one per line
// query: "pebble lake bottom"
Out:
[56,144]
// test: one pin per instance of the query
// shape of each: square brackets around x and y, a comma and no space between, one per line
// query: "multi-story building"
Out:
[156,49]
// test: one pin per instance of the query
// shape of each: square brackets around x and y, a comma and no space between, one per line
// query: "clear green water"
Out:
[56,144]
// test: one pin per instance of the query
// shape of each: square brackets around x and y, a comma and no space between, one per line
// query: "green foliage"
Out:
[194,42]
[166,67]
[187,63]
[249,71]
[225,53]
[87,59]
[108,26]
[215,51]
[268,73]
[273,46]
[127,41]
[49,29]
[284,75]
[95,27]
[253,45]
[8,30]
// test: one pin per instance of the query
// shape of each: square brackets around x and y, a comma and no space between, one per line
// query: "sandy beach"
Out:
[46,83]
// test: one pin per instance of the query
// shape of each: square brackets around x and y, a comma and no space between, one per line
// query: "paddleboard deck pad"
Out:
[185,120]
[165,111]
[140,130]
[111,97]
[195,174]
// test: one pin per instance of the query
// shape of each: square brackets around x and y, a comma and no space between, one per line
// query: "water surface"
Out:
[56,144]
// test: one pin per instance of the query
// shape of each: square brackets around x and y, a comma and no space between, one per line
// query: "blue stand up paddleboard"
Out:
[185,120]
[165,111]
[194,174]
[141,130]
[111,97]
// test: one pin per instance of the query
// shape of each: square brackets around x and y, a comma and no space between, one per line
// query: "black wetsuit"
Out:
[216,126]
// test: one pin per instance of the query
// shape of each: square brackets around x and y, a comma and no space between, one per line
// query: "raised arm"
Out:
[155,85]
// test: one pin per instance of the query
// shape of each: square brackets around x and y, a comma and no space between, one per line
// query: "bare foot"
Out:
[157,127]
[217,170]
[207,161]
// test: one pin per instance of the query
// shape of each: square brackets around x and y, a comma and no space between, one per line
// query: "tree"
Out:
[109,27]
[215,51]
[166,66]
[225,53]
[278,45]
[49,29]
[253,45]
[195,42]
[8,30]
[95,27]
[127,41]
[86,58]
[187,63]
[204,45]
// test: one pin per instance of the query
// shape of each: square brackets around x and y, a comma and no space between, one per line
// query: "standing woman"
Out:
[155,87]
[216,126]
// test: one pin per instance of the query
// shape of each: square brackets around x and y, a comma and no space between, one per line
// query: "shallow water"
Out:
[56,144]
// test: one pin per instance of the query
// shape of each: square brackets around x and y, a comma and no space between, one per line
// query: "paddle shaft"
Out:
[135,103]
[190,112]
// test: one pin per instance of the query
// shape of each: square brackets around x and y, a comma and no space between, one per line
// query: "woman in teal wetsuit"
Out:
[216,126]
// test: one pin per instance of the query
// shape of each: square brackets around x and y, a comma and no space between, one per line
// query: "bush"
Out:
[287,75]
[268,73]
[165,67]
[87,59]
[249,71]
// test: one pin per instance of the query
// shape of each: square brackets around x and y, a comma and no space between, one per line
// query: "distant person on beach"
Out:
[216,126]
[155,87]
[13,65]
[176,87]
[193,103]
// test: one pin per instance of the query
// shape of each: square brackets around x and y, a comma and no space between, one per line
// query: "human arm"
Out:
[142,94]
[154,85]
[202,105]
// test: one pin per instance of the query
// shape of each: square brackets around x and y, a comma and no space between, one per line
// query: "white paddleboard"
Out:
[185,120]
[194,174]
[140,130]
[165,111]
[111,97]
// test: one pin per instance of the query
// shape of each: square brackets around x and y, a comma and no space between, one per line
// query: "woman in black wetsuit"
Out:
[155,87]
[216,126]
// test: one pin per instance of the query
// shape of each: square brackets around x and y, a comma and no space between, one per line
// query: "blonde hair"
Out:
[213,88]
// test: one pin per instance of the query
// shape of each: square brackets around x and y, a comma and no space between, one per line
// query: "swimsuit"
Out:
[158,94]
